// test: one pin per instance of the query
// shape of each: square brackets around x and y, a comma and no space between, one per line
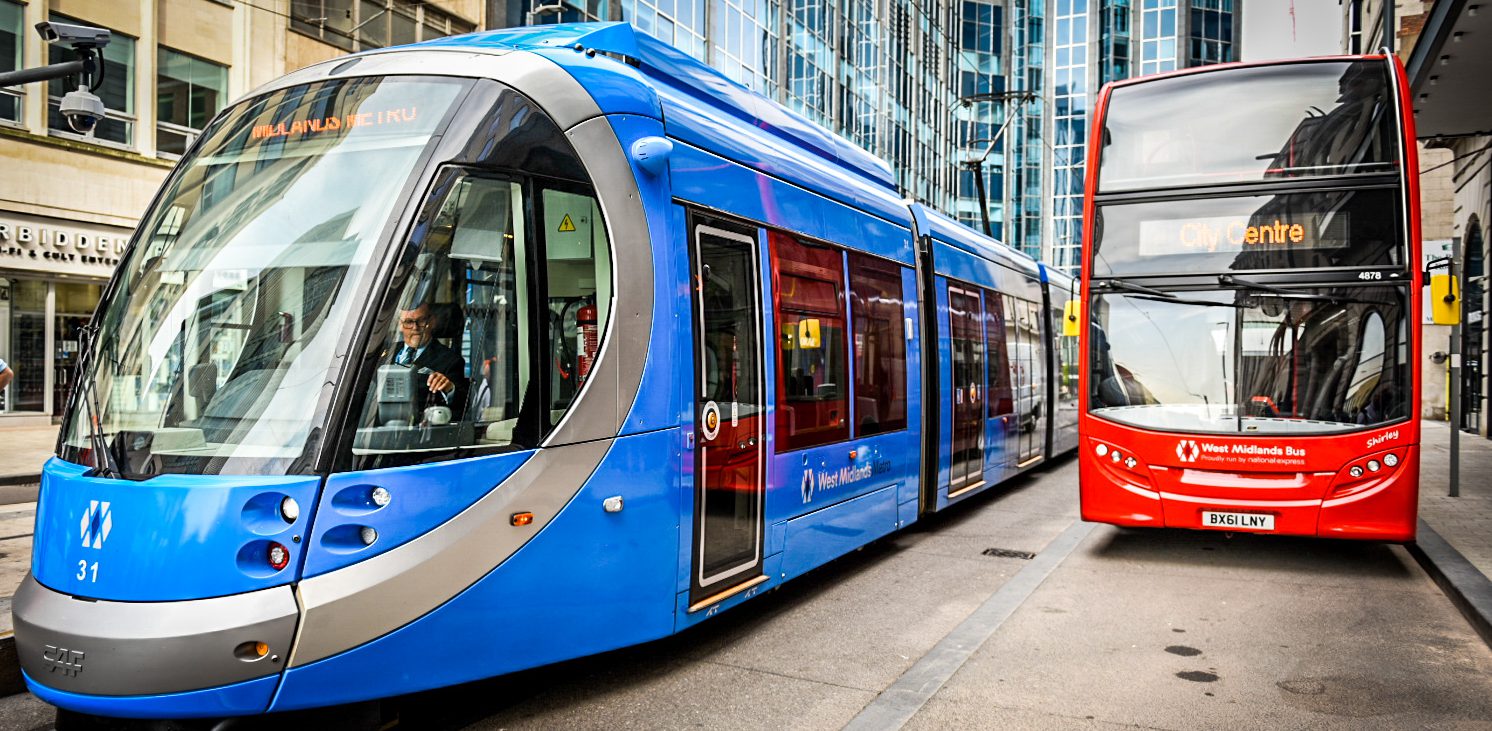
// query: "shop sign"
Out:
[55,246]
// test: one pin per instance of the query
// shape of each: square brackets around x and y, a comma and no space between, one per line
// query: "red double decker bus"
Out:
[1250,308]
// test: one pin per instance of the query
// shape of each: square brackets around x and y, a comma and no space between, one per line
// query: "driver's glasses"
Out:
[415,323]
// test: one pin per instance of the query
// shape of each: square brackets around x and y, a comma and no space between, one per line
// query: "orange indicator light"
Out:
[522,518]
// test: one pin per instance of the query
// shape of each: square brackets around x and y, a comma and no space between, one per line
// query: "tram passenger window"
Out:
[578,277]
[880,345]
[452,370]
[812,403]
[1001,399]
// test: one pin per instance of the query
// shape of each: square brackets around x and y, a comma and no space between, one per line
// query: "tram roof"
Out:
[702,85]
[952,233]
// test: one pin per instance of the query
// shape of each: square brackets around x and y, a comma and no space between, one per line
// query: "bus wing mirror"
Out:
[1070,319]
[1445,300]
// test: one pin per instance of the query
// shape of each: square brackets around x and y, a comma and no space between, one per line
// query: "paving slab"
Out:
[1242,638]
[1466,521]
[16,524]
[27,448]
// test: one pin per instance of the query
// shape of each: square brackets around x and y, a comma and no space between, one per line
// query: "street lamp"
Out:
[976,164]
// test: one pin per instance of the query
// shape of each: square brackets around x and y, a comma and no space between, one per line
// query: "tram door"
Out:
[730,420]
[966,332]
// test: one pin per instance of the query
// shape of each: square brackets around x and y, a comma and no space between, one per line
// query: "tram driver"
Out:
[418,348]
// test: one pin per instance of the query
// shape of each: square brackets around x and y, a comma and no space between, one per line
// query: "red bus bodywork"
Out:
[1304,482]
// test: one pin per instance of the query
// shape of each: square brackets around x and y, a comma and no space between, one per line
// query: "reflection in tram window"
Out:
[812,385]
[880,346]
[226,316]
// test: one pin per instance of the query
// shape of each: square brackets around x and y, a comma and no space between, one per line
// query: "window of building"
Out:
[812,397]
[880,345]
[117,90]
[12,29]
[188,91]
[355,25]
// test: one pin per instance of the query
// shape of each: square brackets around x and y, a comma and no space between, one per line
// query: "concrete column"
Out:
[49,370]
[145,78]
[238,69]
[33,54]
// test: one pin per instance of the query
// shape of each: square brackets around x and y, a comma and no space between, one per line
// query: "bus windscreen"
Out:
[1272,122]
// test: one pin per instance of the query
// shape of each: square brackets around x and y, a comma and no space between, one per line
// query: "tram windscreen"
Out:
[1316,360]
[218,341]
[1248,124]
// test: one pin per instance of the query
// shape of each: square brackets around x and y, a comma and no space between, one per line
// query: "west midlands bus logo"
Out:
[1187,450]
[97,522]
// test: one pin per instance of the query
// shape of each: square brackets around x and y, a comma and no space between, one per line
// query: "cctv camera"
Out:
[77,36]
[82,111]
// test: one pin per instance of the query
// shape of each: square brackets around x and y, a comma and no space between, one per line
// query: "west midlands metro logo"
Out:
[97,522]
[807,485]
[1187,450]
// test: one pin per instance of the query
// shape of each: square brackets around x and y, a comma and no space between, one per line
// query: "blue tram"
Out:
[450,360]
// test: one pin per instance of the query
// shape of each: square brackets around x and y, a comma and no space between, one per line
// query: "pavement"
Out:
[1466,521]
[23,450]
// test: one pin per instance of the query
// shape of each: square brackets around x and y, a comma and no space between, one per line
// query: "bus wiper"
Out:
[103,460]
[1132,287]
[1229,280]
[1140,291]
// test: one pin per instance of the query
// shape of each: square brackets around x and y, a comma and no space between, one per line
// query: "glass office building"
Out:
[1098,41]
[928,85]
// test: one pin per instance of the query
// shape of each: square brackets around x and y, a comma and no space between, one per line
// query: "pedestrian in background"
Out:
[6,374]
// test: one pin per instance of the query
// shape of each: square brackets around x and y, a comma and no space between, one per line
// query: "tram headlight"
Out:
[1101,450]
[1355,471]
[278,556]
[368,534]
[380,496]
[289,510]
[1373,465]
[1391,459]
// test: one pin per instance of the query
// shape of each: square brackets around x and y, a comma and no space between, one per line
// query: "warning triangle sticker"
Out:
[567,225]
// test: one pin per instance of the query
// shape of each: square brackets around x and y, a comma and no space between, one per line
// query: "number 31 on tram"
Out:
[1249,308]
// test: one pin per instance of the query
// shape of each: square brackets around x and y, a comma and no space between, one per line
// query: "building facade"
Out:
[69,202]
[1097,41]
[1446,47]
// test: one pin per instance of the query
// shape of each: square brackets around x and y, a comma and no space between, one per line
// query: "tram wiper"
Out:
[103,459]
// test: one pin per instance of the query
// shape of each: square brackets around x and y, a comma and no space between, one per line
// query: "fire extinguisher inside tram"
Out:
[587,335]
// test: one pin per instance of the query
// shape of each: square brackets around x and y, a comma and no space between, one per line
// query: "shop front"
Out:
[52,273]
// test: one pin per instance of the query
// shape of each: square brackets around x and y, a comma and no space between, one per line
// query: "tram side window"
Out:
[1066,350]
[453,369]
[880,345]
[1001,398]
[578,278]
[812,399]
